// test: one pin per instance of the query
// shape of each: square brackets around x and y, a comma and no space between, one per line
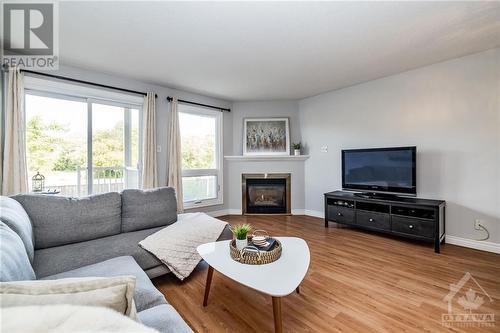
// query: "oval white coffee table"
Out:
[277,279]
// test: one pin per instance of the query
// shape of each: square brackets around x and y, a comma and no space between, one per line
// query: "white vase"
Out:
[241,243]
[296,152]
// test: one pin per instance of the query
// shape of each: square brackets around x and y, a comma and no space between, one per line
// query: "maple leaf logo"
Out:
[470,301]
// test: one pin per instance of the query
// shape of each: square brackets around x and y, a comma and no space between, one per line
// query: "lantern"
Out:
[38,182]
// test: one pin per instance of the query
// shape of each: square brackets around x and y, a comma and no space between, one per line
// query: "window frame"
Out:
[34,87]
[218,172]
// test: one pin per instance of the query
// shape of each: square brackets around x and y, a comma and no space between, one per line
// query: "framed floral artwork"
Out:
[266,136]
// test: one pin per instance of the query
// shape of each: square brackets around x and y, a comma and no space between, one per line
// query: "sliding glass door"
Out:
[82,145]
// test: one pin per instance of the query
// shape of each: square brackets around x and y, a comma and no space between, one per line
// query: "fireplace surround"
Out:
[266,193]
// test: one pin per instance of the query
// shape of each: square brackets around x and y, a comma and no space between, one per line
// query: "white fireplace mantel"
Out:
[263,158]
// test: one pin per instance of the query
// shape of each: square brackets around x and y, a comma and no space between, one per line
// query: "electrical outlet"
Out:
[324,149]
[477,224]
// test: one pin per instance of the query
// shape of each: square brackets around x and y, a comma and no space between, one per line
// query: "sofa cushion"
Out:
[14,262]
[64,258]
[165,319]
[16,218]
[143,209]
[146,295]
[63,220]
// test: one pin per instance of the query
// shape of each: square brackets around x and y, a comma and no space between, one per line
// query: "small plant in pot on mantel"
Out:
[240,232]
[296,149]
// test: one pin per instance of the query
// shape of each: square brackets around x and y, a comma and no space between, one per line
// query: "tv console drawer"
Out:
[373,220]
[413,226]
[341,214]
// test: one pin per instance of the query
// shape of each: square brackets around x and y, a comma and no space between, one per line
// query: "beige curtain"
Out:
[174,178]
[14,170]
[149,171]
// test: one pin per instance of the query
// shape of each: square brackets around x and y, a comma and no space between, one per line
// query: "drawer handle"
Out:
[410,226]
[371,220]
[339,214]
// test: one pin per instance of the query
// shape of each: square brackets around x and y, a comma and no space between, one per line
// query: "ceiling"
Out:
[270,50]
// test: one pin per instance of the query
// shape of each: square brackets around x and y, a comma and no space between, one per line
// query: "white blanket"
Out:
[176,244]
[65,318]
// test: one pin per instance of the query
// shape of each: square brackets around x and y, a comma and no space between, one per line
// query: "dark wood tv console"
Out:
[420,219]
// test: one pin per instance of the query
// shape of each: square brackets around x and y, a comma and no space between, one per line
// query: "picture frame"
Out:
[266,137]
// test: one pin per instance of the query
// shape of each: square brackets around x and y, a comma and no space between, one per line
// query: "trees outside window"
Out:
[58,145]
[201,142]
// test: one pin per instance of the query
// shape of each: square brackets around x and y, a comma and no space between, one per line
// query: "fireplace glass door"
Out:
[266,196]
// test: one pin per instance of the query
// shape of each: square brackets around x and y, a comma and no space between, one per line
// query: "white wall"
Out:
[449,110]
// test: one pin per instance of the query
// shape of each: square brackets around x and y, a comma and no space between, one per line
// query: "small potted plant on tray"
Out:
[296,149]
[240,232]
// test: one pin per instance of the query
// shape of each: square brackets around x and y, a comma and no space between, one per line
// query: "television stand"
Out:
[409,217]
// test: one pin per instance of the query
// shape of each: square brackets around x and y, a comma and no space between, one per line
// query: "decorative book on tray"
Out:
[264,247]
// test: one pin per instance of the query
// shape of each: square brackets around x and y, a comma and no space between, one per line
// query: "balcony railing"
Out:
[105,179]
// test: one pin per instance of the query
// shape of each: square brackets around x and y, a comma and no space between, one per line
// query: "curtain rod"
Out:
[199,104]
[85,82]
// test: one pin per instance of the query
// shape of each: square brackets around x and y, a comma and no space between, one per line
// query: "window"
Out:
[82,145]
[201,148]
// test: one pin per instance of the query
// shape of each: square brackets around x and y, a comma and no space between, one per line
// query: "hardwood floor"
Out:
[357,282]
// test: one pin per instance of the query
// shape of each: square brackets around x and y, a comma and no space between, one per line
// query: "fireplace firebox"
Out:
[266,193]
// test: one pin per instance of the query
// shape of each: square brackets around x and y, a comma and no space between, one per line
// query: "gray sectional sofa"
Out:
[52,237]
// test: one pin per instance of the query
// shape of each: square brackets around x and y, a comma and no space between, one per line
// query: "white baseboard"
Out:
[473,244]
[217,213]
[223,212]
[314,213]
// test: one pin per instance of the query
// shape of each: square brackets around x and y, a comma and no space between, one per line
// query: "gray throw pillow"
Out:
[144,209]
[61,220]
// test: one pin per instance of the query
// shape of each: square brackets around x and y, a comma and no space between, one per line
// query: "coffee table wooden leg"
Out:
[210,273]
[297,290]
[278,326]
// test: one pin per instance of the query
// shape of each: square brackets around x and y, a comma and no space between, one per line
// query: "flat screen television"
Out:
[380,170]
